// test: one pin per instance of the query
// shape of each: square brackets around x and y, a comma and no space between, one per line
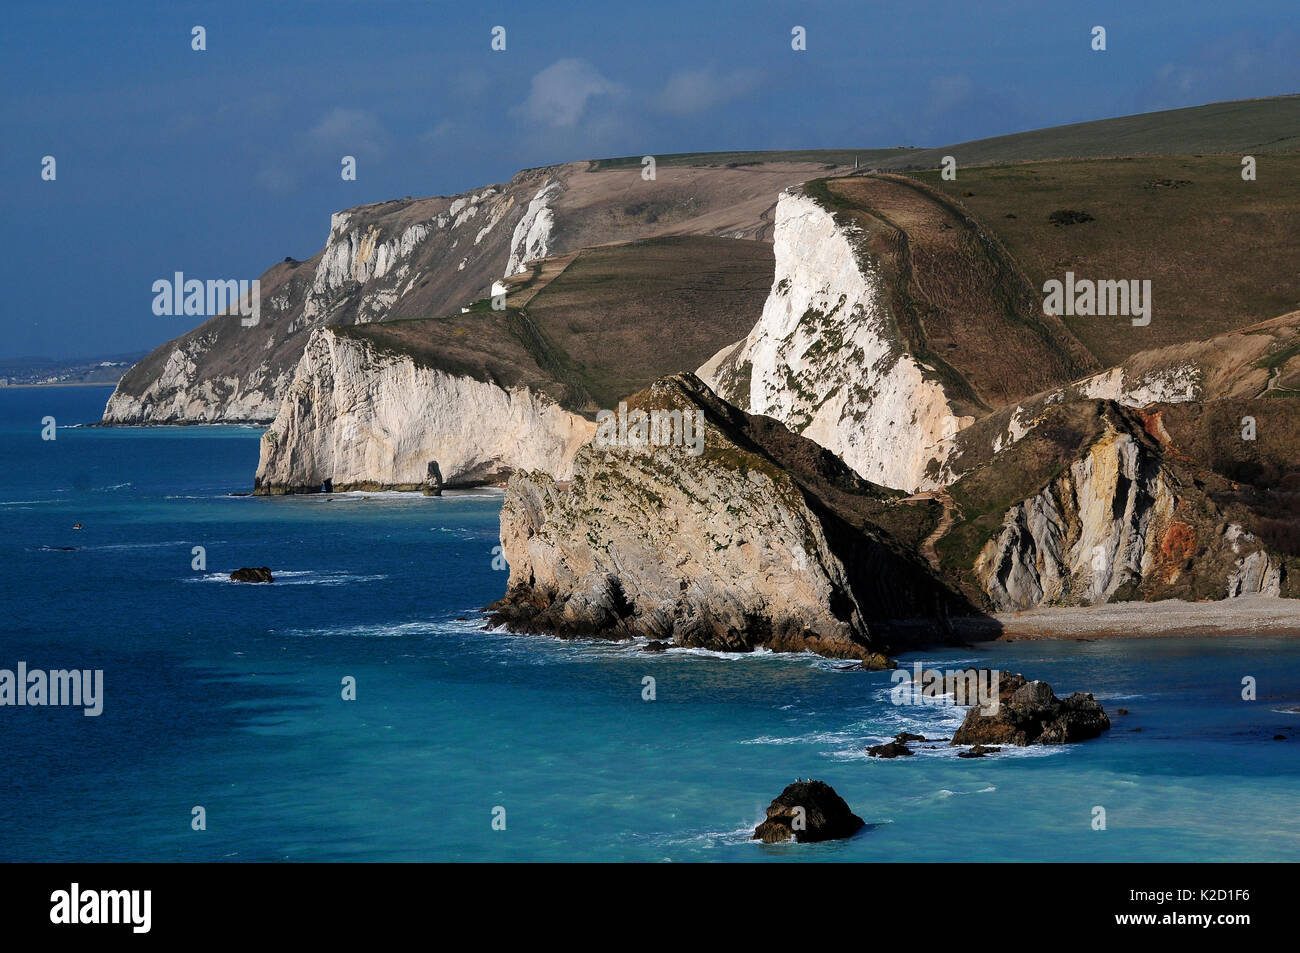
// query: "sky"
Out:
[219,163]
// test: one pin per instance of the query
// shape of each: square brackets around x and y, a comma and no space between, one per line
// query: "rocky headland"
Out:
[763,539]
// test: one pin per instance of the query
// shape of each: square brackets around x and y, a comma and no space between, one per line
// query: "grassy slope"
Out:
[612,321]
[1221,253]
[1247,126]
[733,160]
[960,303]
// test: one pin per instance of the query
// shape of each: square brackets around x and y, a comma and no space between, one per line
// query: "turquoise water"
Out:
[229,696]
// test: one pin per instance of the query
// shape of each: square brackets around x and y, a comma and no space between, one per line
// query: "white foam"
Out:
[293,577]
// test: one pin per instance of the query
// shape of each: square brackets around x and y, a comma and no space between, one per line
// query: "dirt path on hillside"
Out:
[945,523]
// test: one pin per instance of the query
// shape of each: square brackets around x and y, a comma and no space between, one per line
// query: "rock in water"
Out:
[978,751]
[433,480]
[741,535]
[1030,713]
[808,811]
[891,749]
[247,574]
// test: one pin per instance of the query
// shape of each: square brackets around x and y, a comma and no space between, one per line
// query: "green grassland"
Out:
[1221,253]
[615,319]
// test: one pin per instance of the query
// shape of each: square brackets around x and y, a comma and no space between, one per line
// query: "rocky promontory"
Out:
[742,536]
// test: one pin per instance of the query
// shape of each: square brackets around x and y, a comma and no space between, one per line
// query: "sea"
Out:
[357,709]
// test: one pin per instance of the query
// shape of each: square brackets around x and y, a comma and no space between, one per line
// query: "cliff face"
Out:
[487,392]
[1121,522]
[757,541]
[365,418]
[827,360]
[895,321]
[428,257]
[396,259]
[1251,362]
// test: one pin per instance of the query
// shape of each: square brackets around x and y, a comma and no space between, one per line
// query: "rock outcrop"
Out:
[875,277]
[978,751]
[252,574]
[754,538]
[1121,520]
[827,360]
[1029,713]
[890,749]
[807,812]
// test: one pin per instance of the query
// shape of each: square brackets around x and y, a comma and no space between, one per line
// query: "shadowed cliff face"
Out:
[759,539]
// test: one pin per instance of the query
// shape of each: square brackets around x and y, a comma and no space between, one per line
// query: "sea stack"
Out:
[806,812]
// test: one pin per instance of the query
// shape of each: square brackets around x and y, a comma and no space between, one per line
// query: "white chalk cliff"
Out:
[827,359]
[379,262]
[367,418]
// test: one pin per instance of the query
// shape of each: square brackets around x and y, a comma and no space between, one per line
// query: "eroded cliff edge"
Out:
[486,391]
[425,257]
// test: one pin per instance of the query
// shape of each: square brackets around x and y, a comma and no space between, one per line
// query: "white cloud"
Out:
[337,133]
[696,90]
[560,93]
[349,130]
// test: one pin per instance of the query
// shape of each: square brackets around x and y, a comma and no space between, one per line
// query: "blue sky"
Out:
[220,163]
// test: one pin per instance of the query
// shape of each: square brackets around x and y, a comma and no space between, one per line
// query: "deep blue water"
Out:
[229,696]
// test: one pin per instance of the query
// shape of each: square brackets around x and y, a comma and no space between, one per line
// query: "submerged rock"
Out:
[978,751]
[1030,713]
[247,574]
[807,811]
[890,749]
